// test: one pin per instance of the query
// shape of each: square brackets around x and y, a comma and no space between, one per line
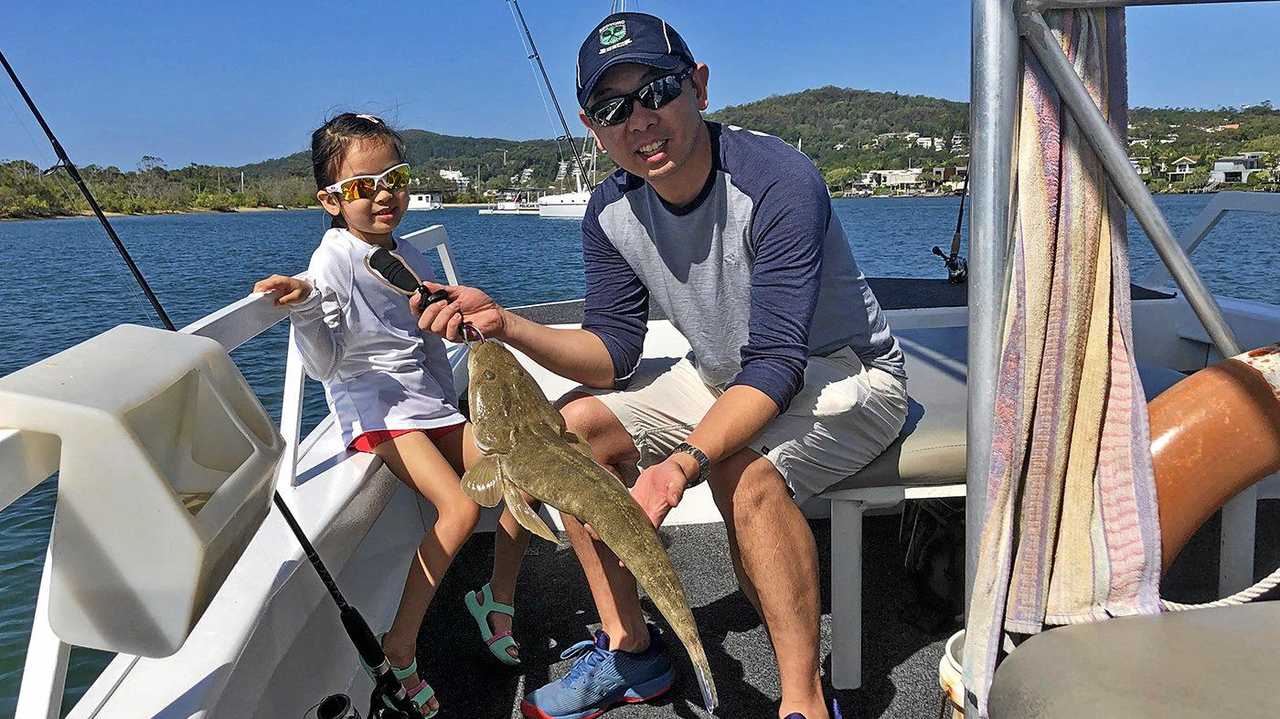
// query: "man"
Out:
[794,381]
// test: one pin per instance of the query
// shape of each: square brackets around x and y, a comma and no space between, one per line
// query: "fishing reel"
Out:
[957,268]
[387,266]
[339,706]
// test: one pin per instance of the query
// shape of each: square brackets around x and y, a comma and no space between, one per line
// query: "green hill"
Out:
[430,152]
[845,131]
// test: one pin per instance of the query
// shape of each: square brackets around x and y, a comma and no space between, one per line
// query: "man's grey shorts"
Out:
[843,417]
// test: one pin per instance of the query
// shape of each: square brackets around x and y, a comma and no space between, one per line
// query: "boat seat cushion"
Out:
[930,451]
[1216,662]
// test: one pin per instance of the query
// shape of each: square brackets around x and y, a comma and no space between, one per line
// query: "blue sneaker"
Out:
[601,680]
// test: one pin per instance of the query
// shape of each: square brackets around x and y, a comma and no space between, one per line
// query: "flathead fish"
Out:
[525,446]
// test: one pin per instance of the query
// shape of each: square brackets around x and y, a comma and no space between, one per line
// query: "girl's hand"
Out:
[465,303]
[288,290]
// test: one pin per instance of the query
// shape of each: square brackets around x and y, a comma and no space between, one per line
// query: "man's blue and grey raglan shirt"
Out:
[756,272]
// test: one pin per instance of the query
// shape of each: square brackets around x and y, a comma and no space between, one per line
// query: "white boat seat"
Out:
[930,451]
[1206,662]
[929,455]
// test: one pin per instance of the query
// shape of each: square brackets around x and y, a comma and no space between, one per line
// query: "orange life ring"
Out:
[1213,435]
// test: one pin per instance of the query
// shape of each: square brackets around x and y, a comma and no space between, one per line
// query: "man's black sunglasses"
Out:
[654,94]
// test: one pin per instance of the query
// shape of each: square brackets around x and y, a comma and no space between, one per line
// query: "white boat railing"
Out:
[1203,224]
[1237,543]
[27,459]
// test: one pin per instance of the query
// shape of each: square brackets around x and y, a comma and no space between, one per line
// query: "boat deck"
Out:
[900,660]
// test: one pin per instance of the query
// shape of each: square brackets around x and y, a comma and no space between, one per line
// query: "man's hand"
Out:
[660,488]
[288,290]
[465,304]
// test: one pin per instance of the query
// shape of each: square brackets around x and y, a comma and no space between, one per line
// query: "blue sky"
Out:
[229,83]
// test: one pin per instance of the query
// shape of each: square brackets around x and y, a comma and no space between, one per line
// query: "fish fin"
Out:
[578,444]
[484,483]
[525,515]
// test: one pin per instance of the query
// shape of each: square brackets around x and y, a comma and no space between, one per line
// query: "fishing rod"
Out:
[533,55]
[388,699]
[957,268]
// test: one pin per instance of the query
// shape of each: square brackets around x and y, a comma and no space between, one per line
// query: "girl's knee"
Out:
[461,513]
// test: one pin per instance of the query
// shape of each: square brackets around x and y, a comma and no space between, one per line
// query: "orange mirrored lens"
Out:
[366,188]
[397,179]
[358,188]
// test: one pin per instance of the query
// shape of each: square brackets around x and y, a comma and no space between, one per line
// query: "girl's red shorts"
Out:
[367,441]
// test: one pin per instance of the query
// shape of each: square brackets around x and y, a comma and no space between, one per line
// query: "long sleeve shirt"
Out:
[756,271]
[357,336]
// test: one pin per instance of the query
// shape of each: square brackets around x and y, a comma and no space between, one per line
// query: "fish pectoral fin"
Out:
[578,444]
[484,482]
[525,515]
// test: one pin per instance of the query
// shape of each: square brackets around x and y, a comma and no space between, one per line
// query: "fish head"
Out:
[492,376]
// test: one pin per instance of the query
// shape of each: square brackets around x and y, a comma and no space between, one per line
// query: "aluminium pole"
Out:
[993,99]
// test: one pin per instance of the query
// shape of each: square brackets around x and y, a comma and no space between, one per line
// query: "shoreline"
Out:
[190,211]
[452,205]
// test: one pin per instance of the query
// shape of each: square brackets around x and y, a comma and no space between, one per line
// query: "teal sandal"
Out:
[498,642]
[420,694]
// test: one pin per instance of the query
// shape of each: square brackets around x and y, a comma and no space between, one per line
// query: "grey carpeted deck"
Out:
[900,661]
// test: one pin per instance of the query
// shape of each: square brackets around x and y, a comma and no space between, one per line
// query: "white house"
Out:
[456,177]
[1183,167]
[1236,168]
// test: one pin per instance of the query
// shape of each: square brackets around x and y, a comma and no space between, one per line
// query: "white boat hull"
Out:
[569,206]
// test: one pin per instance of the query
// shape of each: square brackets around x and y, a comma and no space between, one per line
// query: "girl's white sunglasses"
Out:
[365,187]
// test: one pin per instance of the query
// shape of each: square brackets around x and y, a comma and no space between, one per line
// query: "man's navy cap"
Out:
[629,37]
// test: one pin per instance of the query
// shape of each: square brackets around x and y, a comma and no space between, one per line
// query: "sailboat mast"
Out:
[533,55]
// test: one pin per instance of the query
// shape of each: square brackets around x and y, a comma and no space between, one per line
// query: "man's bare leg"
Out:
[612,587]
[776,560]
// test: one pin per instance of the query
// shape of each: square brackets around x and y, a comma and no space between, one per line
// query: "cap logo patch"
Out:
[613,33]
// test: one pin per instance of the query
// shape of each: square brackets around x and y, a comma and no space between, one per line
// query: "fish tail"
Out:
[706,684]
[683,625]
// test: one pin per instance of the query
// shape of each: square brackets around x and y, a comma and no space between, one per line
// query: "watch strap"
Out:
[704,464]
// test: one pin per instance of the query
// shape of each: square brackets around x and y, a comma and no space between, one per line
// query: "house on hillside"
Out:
[459,180]
[1183,167]
[895,179]
[1236,168]
[1142,165]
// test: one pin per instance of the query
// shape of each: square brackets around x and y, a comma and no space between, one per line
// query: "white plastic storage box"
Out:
[166,472]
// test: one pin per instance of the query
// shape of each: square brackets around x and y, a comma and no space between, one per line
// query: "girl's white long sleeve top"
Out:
[358,337]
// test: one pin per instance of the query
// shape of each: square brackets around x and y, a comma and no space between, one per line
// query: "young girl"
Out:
[389,385]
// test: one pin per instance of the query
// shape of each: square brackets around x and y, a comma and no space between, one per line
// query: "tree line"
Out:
[842,130]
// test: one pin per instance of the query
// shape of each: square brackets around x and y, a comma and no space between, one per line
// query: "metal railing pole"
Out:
[1115,160]
[993,102]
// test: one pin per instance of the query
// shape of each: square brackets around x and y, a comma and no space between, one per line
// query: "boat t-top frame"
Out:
[1000,30]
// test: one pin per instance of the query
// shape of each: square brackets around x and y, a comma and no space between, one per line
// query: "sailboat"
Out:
[572,205]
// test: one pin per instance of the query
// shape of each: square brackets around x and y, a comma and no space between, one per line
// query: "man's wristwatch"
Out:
[704,464]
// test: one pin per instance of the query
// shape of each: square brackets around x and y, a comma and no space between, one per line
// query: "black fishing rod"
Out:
[388,700]
[957,268]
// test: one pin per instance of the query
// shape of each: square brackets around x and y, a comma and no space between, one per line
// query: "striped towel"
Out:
[1070,533]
